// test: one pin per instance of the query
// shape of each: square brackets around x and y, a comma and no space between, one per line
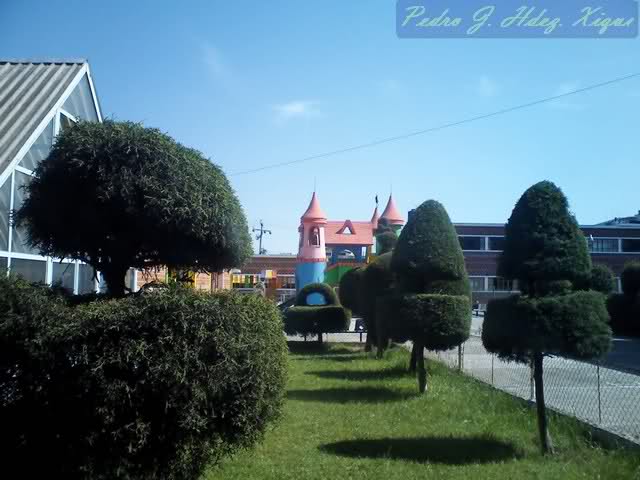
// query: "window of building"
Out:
[477,284]
[328,253]
[30,270]
[471,243]
[631,245]
[86,279]
[495,243]
[65,122]
[500,284]
[314,237]
[80,102]
[5,207]
[39,150]
[19,242]
[301,230]
[603,245]
[63,275]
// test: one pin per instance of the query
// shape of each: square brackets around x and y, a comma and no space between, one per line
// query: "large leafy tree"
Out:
[431,304]
[118,195]
[547,254]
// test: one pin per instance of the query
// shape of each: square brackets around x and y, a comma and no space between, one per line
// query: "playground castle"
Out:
[330,248]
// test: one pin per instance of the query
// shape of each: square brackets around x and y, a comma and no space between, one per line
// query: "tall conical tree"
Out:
[432,305]
[547,254]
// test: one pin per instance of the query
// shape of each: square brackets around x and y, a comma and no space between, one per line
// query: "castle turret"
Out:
[312,258]
[392,215]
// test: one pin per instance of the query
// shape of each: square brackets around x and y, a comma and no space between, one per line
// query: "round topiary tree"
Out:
[432,303]
[154,385]
[547,253]
[601,279]
[313,319]
[630,279]
[117,195]
[348,290]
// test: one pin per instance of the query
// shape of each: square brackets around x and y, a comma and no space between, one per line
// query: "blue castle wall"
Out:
[309,272]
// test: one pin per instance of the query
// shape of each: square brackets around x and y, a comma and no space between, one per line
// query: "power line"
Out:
[262,231]
[439,127]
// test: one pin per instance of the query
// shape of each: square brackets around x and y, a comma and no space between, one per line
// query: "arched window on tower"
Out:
[301,230]
[314,237]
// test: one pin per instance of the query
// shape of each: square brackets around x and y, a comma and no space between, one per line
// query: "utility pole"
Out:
[261,232]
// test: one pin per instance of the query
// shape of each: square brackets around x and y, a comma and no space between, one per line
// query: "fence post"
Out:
[492,359]
[461,357]
[599,401]
[531,383]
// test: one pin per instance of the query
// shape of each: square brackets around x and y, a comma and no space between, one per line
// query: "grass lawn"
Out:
[349,415]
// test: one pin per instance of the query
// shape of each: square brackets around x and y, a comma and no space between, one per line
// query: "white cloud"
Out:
[487,87]
[296,109]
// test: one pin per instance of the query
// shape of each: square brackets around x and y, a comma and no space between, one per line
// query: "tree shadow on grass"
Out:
[314,349]
[359,375]
[446,450]
[348,395]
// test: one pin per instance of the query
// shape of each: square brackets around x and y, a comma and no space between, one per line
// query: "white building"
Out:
[37,101]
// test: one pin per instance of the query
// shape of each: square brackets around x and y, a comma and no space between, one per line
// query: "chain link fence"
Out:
[604,397]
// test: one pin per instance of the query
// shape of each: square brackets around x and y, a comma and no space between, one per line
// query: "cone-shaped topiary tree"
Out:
[431,304]
[547,253]
[118,195]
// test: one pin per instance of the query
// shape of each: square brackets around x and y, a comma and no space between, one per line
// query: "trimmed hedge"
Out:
[441,321]
[386,241]
[574,325]
[304,319]
[153,385]
[308,320]
[327,292]
[377,281]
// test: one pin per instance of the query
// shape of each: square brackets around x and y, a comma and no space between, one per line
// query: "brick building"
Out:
[612,243]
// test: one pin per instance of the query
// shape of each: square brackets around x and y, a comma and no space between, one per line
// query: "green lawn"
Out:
[349,415]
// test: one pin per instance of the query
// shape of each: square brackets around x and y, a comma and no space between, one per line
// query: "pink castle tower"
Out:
[312,257]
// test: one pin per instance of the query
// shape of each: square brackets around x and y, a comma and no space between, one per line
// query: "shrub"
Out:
[146,201]
[309,320]
[428,257]
[386,241]
[432,303]
[630,279]
[155,385]
[543,242]
[305,319]
[546,252]
[602,279]
[348,291]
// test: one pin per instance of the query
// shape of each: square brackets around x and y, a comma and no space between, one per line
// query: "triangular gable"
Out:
[347,228]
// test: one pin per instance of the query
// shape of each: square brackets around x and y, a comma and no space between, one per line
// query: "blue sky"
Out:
[255,83]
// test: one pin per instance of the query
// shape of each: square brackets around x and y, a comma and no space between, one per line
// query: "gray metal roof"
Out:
[28,91]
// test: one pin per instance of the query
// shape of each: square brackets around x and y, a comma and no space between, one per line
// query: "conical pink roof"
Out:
[392,214]
[375,218]
[314,213]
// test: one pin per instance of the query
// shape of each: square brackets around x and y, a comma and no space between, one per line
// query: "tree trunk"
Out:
[545,438]
[412,361]
[420,368]
[114,278]
[320,338]
[371,338]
